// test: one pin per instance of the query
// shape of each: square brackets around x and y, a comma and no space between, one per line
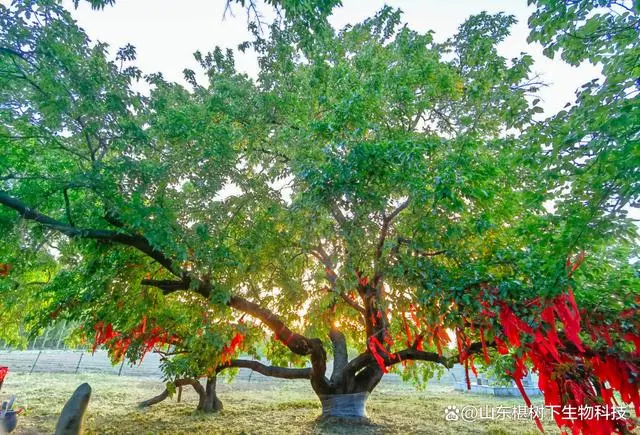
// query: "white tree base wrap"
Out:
[344,405]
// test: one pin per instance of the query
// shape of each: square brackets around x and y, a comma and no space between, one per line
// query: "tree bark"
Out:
[297,343]
[341,382]
[209,401]
[271,371]
[340,357]
[155,399]
[206,397]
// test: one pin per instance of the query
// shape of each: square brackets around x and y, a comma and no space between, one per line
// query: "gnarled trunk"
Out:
[347,391]
[209,401]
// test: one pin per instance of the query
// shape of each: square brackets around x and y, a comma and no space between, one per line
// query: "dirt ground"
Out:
[279,407]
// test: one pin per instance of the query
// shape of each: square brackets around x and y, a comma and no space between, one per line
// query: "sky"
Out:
[166,33]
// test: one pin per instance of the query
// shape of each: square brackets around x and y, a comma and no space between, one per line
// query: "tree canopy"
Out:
[372,190]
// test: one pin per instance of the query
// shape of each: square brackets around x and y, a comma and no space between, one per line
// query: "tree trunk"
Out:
[209,402]
[207,399]
[344,406]
[348,392]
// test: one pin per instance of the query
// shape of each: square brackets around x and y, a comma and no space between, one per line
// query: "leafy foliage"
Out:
[371,184]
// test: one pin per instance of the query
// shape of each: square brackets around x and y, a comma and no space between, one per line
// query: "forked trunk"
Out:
[345,395]
[209,401]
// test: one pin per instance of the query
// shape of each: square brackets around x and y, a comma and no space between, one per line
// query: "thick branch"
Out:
[271,371]
[297,343]
[397,211]
[154,400]
[419,355]
[138,242]
[322,256]
[166,285]
[21,54]
[30,214]
[365,358]
[340,357]
[178,383]
[383,236]
[169,286]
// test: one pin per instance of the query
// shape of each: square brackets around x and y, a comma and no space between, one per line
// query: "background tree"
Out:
[372,190]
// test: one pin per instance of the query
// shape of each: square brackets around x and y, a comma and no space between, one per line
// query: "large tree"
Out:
[372,191]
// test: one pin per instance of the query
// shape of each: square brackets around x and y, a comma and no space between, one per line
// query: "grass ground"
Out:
[279,407]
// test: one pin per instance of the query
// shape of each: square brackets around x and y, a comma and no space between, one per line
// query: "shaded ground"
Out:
[279,407]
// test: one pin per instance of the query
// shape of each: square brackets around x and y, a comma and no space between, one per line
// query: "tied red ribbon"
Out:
[375,347]
[230,349]
[3,372]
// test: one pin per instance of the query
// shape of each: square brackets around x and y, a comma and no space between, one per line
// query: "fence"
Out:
[50,354]
[52,338]
[83,361]
[76,361]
